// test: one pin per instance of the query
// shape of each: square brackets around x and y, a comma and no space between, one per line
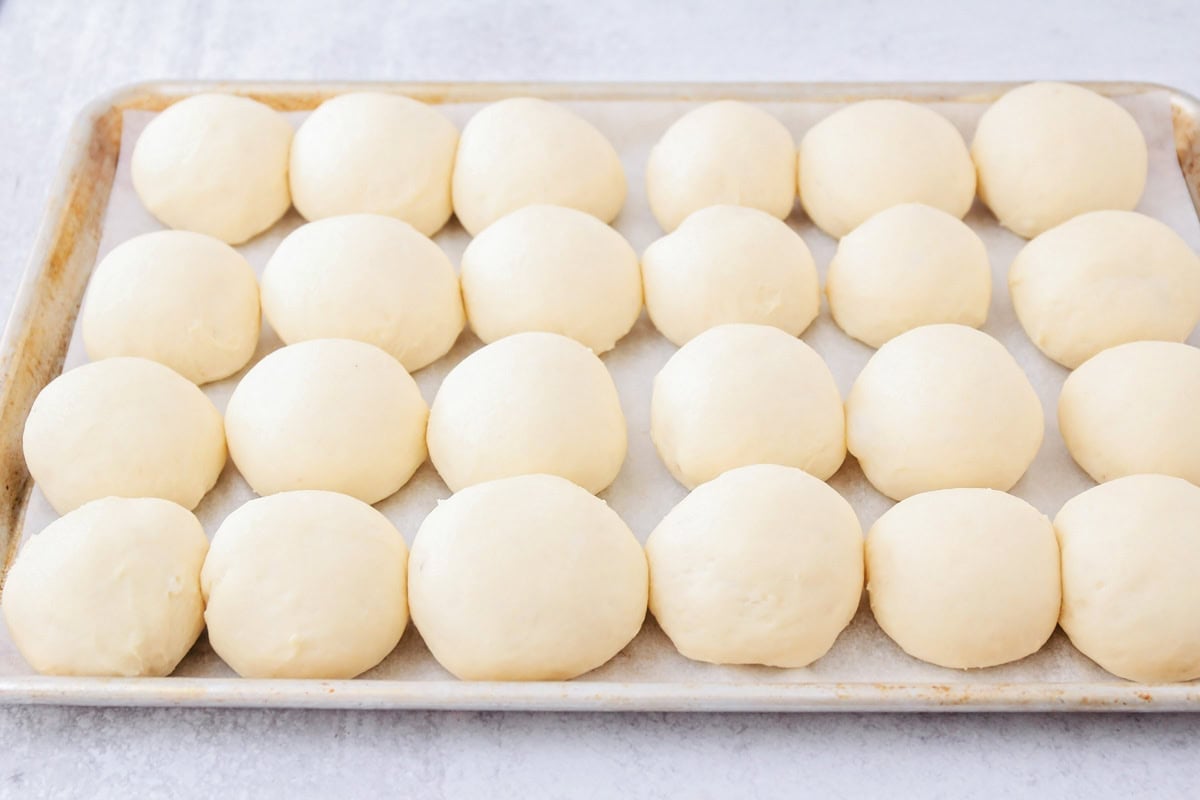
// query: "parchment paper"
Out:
[644,491]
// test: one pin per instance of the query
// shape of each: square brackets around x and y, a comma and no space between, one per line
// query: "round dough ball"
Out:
[907,266]
[1047,152]
[730,264]
[1103,279]
[215,164]
[305,585]
[1131,410]
[329,414]
[183,299]
[763,565]
[554,269]
[877,154]
[526,579]
[523,151]
[941,407]
[723,153]
[964,578]
[529,403]
[123,427]
[374,153]
[110,589]
[365,277]
[1130,556]
[746,394]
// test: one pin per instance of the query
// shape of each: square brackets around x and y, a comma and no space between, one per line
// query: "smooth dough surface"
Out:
[907,266]
[374,153]
[722,153]
[529,403]
[526,578]
[553,269]
[523,151]
[366,277]
[876,154]
[330,414]
[1130,556]
[305,584]
[1104,279]
[183,299]
[942,407]
[110,589]
[746,394]
[1046,152]
[763,565]
[964,578]
[123,427]
[215,164]
[730,264]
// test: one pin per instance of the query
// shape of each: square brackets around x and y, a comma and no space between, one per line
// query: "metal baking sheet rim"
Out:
[35,341]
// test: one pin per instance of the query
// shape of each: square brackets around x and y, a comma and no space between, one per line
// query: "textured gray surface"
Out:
[55,56]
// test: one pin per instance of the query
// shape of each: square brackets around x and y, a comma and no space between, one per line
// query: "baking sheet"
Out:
[644,491]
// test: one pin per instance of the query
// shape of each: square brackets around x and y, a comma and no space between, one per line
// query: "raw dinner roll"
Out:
[123,427]
[726,152]
[730,264]
[940,407]
[1130,556]
[305,585]
[964,578]
[329,414]
[746,394]
[523,151]
[1104,279]
[1132,409]
[110,589]
[763,565]
[880,153]
[375,153]
[529,403]
[526,579]
[215,164]
[1047,152]
[183,299]
[554,269]
[365,277]
[907,266]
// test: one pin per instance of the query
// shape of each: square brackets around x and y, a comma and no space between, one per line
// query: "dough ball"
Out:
[941,407]
[1131,410]
[730,264]
[1103,279]
[375,153]
[523,151]
[723,153]
[110,589]
[365,277]
[529,403]
[329,414]
[1047,152]
[123,427]
[877,154]
[907,266]
[964,578]
[763,565]
[554,269]
[183,299]
[526,579]
[1130,556]
[215,164]
[746,394]
[305,585]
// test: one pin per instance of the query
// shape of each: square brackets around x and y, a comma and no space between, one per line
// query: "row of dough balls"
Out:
[230,166]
